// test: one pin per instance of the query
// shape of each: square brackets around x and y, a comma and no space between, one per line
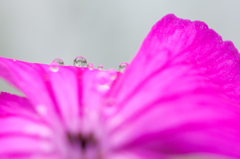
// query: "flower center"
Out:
[82,141]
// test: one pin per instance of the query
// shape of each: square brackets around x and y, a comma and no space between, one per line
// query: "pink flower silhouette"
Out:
[179,97]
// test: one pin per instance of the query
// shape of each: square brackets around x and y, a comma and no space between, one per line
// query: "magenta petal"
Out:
[16,106]
[22,132]
[180,93]
[54,94]
[65,98]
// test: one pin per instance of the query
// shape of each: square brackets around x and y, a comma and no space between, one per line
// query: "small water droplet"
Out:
[14,59]
[54,66]
[103,81]
[59,61]
[123,66]
[113,74]
[102,77]
[100,67]
[80,61]
[90,66]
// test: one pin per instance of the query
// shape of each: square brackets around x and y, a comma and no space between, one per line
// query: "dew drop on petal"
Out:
[103,77]
[14,59]
[54,66]
[59,61]
[100,67]
[103,81]
[80,61]
[90,66]
[123,66]
[113,74]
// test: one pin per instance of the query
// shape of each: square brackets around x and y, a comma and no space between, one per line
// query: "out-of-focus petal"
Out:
[22,132]
[95,84]
[179,95]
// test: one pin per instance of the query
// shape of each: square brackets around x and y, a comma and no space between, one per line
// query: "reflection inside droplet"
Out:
[100,67]
[80,61]
[59,61]
[90,66]
[54,67]
[123,66]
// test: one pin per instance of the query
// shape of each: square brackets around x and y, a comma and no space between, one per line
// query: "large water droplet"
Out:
[59,61]
[100,67]
[90,66]
[123,66]
[80,61]
[54,66]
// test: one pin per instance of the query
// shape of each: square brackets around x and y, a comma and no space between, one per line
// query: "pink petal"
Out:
[55,94]
[66,99]
[16,106]
[22,132]
[179,95]
[95,85]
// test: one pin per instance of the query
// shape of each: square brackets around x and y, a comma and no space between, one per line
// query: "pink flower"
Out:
[179,97]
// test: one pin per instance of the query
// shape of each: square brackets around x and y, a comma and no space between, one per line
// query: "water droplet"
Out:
[90,66]
[113,74]
[80,61]
[59,61]
[54,66]
[14,59]
[123,66]
[103,81]
[102,77]
[100,67]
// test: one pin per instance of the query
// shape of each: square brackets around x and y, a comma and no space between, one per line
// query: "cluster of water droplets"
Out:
[80,61]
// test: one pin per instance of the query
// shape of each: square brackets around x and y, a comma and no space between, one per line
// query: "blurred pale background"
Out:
[105,32]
